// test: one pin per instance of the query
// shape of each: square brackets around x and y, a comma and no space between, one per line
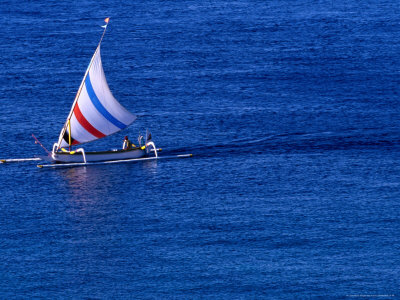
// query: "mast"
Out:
[67,123]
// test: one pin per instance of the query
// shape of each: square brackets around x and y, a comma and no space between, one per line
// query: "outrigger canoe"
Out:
[95,114]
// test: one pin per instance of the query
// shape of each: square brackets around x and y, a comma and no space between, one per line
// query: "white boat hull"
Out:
[77,157]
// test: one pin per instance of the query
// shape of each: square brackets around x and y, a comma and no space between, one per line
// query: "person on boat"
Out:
[127,144]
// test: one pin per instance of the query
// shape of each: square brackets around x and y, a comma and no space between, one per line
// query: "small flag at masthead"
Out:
[106,20]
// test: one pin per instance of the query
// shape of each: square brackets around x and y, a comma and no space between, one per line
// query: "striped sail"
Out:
[95,112]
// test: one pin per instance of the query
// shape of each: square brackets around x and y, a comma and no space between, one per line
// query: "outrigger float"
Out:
[95,114]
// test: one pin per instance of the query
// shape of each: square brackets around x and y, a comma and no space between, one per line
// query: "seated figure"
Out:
[127,145]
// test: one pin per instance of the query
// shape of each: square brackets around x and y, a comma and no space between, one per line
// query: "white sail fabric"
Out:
[95,113]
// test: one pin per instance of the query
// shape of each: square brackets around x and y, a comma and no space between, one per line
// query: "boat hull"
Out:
[77,157]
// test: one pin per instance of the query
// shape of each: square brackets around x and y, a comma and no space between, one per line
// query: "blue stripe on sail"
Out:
[96,102]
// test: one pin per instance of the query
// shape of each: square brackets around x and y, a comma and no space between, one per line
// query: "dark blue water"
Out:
[291,109]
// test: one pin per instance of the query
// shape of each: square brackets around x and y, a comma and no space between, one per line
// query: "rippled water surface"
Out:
[291,110]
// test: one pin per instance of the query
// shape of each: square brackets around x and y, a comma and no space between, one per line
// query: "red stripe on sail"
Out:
[85,123]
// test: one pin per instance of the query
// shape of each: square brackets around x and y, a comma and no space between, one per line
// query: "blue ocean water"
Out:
[291,109]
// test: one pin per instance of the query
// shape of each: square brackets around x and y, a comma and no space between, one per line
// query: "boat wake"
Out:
[298,142]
